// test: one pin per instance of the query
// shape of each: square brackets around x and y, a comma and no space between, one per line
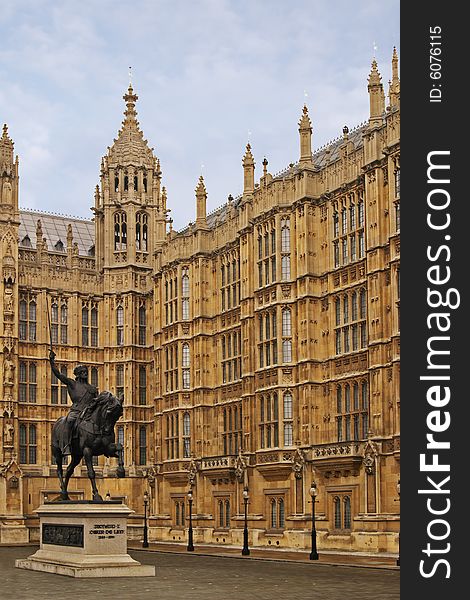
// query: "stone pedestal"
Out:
[84,539]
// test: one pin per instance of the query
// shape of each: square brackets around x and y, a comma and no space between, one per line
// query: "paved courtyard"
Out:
[188,577]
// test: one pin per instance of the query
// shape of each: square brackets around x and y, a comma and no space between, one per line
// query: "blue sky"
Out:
[207,73]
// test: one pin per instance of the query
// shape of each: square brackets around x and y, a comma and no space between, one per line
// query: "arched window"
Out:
[145,184]
[337,512]
[26,242]
[335,224]
[126,183]
[285,235]
[288,420]
[186,435]
[286,322]
[136,183]
[32,321]
[185,292]
[116,184]
[142,446]
[59,246]
[227,513]
[120,231]
[347,512]
[285,267]
[120,326]
[344,221]
[23,445]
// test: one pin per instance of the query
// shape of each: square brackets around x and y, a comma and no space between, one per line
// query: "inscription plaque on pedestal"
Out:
[82,539]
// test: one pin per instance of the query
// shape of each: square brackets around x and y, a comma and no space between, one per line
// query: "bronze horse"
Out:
[93,436]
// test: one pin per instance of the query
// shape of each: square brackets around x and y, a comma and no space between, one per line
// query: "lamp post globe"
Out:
[190,547]
[145,543]
[246,550]
[313,494]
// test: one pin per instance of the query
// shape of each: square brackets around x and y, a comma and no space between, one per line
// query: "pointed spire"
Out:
[6,147]
[69,235]
[305,131]
[201,198]
[376,96]
[394,88]
[265,166]
[248,163]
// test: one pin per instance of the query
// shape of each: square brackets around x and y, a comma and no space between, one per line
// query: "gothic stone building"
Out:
[257,348]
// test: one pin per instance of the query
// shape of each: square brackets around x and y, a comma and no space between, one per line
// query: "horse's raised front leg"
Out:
[88,456]
[60,473]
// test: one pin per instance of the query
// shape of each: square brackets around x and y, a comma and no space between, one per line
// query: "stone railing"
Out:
[218,462]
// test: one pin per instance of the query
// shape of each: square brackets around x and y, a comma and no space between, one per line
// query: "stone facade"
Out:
[258,347]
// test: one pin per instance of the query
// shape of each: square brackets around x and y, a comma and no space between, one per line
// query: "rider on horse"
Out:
[83,396]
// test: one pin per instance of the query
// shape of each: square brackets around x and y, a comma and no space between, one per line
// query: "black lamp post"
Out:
[246,550]
[190,547]
[398,559]
[313,494]
[145,543]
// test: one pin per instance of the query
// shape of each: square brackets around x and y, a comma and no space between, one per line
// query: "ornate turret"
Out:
[8,176]
[201,198]
[376,96]
[394,88]
[305,131]
[248,163]
[129,208]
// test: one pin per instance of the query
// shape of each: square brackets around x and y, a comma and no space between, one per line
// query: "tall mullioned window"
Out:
[171,298]
[185,293]
[267,338]
[27,320]
[231,356]
[119,380]
[28,444]
[142,385]
[142,445]
[288,423]
[141,231]
[89,325]
[27,379]
[232,435]
[142,326]
[172,436]
[120,326]
[277,513]
[348,240]
[286,335]
[120,228]
[350,313]
[267,267]
[230,280]
[186,435]
[285,249]
[186,362]
[171,367]
[352,410]
[342,511]
[269,420]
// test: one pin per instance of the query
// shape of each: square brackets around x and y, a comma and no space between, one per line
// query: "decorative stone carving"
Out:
[241,468]
[192,472]
[370,453]
[298,463]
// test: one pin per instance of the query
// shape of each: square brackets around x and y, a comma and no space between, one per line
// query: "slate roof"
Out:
[54,228]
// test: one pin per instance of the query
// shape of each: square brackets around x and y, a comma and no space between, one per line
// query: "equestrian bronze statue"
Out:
[87,430]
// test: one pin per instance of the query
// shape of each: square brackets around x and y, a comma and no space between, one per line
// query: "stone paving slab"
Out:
[187,576]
